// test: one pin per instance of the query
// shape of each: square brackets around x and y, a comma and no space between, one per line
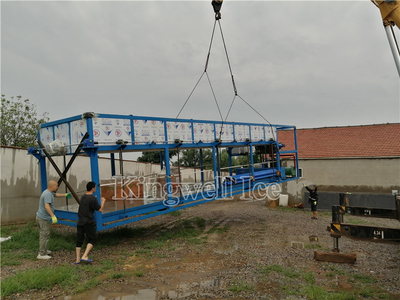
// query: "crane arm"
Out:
[390,11]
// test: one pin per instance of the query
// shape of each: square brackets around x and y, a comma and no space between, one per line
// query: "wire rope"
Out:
[212,89]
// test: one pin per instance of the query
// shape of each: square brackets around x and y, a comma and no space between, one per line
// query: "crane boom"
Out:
[390,12]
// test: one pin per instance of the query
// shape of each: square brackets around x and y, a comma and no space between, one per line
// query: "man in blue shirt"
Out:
[45,216]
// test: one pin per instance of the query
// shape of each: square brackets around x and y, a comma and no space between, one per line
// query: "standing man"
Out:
[45,216]
[86,224]
[313,200]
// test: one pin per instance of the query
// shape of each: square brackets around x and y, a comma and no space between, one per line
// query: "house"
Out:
[361,159]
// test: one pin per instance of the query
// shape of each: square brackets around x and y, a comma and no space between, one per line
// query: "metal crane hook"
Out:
[217,7]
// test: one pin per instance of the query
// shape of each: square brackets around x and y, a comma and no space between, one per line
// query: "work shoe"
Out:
[314,218]
[43,257]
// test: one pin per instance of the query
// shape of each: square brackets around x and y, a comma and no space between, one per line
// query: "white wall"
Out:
[21,181]
[369,175]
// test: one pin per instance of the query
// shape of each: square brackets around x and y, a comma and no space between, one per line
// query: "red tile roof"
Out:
[349,141]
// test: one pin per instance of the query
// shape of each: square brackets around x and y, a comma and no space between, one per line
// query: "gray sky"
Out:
[303,63]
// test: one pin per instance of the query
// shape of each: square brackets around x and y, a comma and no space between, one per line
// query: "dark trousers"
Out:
[90,230]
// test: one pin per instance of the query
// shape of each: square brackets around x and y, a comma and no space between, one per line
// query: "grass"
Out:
[185,231]
[41,278]
[313,246]
[139,273]
[363,285]
[175,213]
[358,220]
[151,242]
[118,275]
[219,230]
[363,278]
[287,272]
[24,243]
[240,286]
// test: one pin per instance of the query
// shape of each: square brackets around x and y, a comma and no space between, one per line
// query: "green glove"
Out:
[315,202]
[54,219]
[69,196]
[304,185]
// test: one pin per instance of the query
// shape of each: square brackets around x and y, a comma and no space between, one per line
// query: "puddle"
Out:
[153,292]
[221,249]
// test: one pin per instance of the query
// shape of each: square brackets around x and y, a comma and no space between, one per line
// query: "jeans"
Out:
[44,235]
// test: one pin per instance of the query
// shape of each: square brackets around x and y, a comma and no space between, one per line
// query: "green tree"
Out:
[154,156]
[19,122]
[191,158]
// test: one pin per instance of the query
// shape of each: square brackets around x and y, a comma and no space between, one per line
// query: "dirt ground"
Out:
[231,263]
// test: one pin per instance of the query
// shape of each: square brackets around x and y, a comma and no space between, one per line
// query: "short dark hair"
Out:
[90,185]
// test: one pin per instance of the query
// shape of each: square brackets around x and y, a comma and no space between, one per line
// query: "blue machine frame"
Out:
[110,133]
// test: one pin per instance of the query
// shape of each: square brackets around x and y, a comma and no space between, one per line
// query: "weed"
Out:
[367,292]
[309,277]
[139,273]
[105,265]
[41,278]
[176,213]
[241,287]
[153,244]
[142,251]
[219,230]
[117,275]
[286,209]
[325,213]
[310,246]
[330,274]
[114,237]
[87,285]
[195,241]
[271,268]
[25,243]
[161,255]
[317,292]
[334,269]
[358,221]
[364,278]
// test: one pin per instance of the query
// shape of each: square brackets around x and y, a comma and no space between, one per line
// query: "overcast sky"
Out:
[304,63]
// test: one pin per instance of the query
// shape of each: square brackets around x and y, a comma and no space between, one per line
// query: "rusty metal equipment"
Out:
[376,234]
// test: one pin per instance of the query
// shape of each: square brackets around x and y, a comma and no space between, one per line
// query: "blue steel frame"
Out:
[129,215]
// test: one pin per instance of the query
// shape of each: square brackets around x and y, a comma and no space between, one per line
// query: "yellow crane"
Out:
[390,12]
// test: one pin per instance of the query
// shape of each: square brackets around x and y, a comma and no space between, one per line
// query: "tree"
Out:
[154,156]
[191,158]
[19,122]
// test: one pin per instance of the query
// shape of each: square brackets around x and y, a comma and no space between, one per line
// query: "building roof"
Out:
[350,141]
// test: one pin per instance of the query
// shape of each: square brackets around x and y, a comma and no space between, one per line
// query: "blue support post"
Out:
[43,172]
[42,163]
[94,168]
[92,152]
